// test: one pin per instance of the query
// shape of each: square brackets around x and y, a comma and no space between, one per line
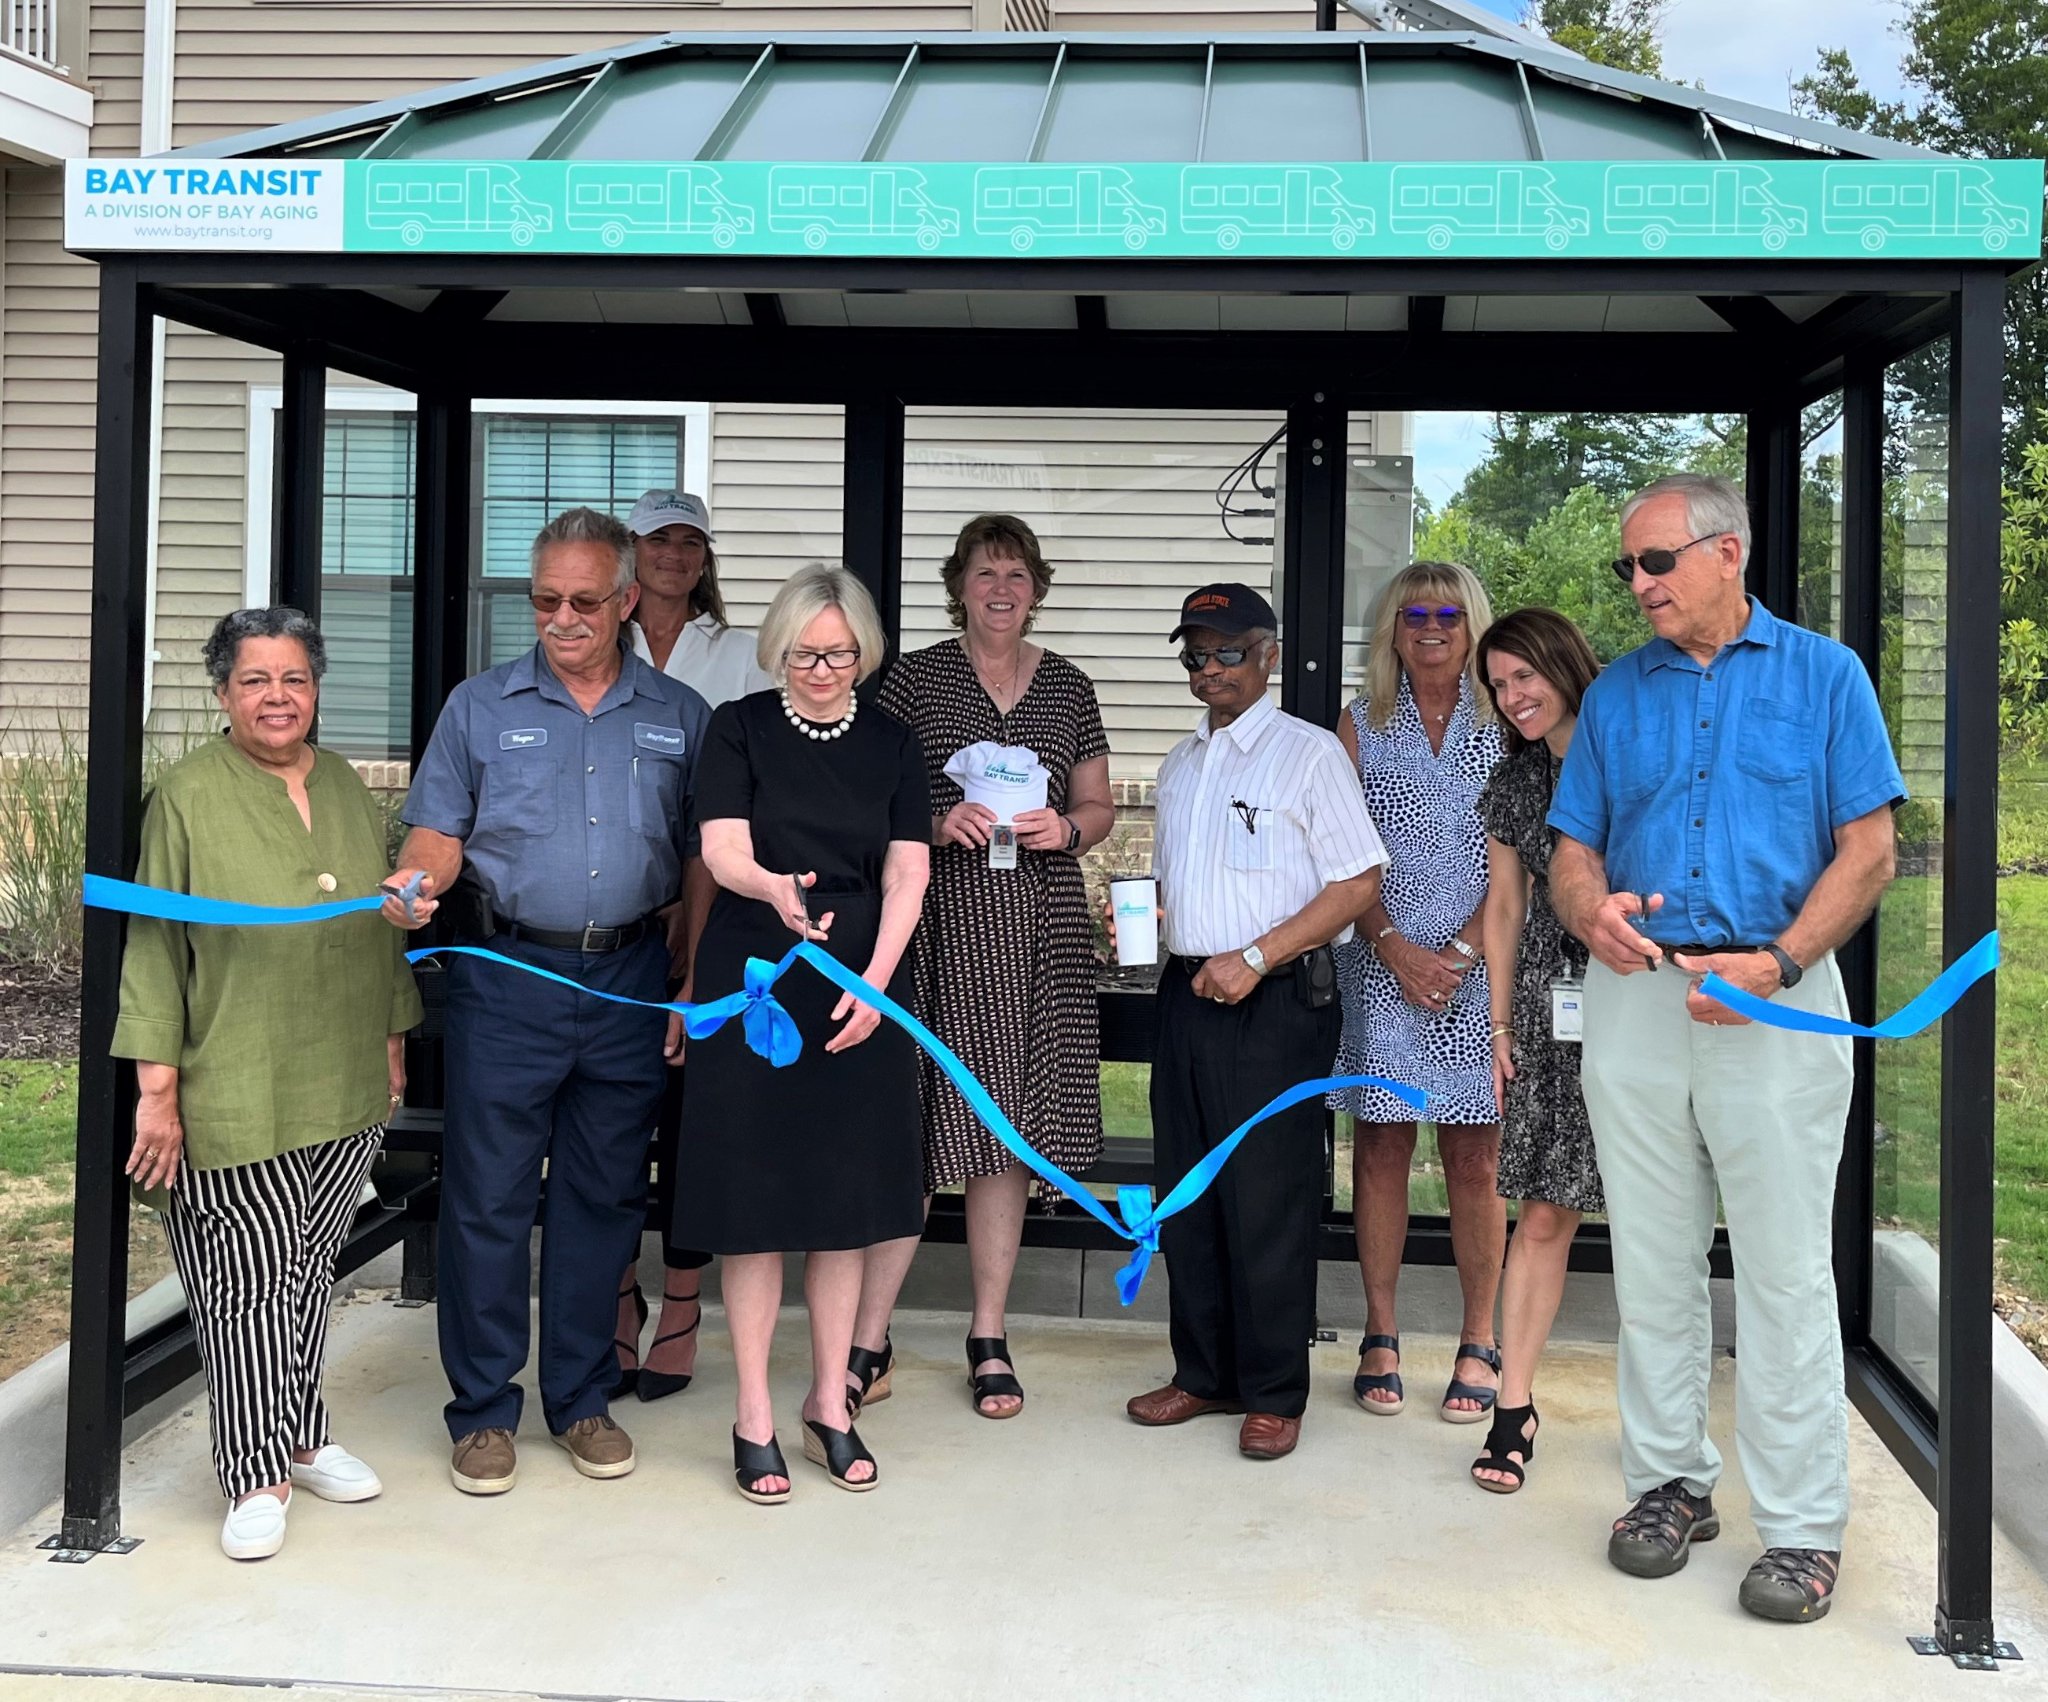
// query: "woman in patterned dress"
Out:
[1537,666]
[1414,980]
[1004,958]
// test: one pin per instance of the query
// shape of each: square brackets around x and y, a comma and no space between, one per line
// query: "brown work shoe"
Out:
[1268,1436]
[598,1446]
[1174,1405]
[485,1463]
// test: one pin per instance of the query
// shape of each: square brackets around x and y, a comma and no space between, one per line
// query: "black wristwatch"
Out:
[1788,971]
[1073,835]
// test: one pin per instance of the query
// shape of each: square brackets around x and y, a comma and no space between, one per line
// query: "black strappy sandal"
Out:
[994,1382]
[1457,1391]
[873,1370]
[1369,1380]
[838,1451]
[753,1461]
[629,1375]
[653,1385]
[1503,1439]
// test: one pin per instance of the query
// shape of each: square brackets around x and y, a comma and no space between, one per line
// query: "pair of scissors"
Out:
[803,904]
[405,894]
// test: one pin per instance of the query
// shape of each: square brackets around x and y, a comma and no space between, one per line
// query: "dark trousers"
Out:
[1242,1258]
[668,1129]
[538,1073]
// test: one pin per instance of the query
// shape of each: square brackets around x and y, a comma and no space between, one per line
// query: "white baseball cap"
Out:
[660,508]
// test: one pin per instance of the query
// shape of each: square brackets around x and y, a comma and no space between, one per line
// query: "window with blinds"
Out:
[528,467]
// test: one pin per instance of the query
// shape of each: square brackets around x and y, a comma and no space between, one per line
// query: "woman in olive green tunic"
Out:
[268,1060]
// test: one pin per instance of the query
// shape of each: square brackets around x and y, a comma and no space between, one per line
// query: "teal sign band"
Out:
[1914,209]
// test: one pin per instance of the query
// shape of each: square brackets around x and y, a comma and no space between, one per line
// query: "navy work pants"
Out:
[539,1073]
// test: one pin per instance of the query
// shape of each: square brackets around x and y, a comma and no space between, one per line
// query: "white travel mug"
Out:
[1134,904]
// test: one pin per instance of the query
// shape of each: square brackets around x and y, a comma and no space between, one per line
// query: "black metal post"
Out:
[1774,507]
[872,541]
[1969,1036]
[301,482]
[1858,627]
[113,823]
[1326,14]
[1312,562]
[440,557]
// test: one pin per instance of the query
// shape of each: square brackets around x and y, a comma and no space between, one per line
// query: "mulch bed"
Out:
[38,1011]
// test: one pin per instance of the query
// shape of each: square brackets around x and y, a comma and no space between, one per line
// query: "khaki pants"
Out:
[1677,1106]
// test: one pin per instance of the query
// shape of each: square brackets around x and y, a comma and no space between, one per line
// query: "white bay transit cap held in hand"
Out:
[1007,779]
[659,508]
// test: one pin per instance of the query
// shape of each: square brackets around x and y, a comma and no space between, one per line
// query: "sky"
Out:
[1752,50]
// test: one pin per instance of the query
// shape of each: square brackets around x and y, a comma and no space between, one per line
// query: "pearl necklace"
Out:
[811,731]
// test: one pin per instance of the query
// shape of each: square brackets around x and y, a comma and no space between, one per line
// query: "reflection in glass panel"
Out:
[366,584]
[1820,516]
[1912,687]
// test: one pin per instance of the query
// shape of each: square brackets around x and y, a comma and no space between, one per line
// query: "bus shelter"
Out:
[1313,225]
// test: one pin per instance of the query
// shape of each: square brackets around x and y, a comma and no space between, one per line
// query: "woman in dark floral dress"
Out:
[1537,665]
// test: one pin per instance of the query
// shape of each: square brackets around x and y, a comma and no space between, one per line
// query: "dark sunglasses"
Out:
[1230,656]
[1417,615]
[549,601]
[1657,563]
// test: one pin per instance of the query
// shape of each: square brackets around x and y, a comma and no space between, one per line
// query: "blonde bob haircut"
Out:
[1420,582]
[805,595]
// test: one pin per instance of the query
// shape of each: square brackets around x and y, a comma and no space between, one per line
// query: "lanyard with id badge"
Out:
[1568,1008]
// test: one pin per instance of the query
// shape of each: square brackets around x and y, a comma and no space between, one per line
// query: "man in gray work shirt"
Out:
[552,813]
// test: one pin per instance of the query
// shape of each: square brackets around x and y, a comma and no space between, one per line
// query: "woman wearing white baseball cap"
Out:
[679,626]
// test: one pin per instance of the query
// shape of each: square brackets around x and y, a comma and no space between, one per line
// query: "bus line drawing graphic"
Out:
[1442,203]
[819,203]
[1026,202]
[1874,203]
[464,200]
[618,201]
[1728,200]
[1232,202]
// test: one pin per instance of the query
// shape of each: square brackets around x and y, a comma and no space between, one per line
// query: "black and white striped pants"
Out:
[255,1246]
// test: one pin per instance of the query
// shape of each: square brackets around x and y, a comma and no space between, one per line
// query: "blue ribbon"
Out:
[103,893]
[1930,1007]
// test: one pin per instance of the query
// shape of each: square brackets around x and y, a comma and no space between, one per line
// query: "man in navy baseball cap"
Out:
[1227,609]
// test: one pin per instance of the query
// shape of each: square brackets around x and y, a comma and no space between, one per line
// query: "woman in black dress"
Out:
[1537,665]
[822,1157]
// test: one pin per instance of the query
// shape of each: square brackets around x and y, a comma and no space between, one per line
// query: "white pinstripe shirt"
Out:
[1223,883]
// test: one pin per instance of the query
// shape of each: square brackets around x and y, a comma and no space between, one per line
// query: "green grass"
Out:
[38,1116]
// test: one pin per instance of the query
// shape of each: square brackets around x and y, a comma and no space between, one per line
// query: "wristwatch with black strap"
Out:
[1789,972]
[1073,834]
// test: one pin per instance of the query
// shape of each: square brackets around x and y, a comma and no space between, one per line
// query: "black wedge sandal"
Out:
[629,1375]
[993,1383]
[652,1384]
[1460,1391]
[1366,1382]
[1503,1439]
[873,1369]
[838,1451]
[753,1461]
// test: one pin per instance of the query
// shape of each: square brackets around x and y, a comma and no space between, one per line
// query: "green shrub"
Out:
[42,846]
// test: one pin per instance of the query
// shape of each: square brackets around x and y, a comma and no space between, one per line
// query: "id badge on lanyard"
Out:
[1567,1008]
[1002,846]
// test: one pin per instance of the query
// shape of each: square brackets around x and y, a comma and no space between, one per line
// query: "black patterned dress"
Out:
[1546,1145]
[1005,958]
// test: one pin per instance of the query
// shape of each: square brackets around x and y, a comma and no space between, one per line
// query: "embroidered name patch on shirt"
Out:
[522,738]
[650,737]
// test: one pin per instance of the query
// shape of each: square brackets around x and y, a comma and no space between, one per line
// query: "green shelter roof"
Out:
[1375,96]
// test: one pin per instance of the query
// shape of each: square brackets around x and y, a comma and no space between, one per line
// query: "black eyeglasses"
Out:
[1419,615]
[549,601]
[1657,563]
[1196,660]
[803,661]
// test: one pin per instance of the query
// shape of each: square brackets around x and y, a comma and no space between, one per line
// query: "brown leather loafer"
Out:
[1268,1436]
[1174,1405]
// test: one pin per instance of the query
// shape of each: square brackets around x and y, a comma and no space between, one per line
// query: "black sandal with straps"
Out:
[628,1379]
[990,1384]
[753,1461]
[1461,1391]
[1503,1439]
[652,1384]
[1366,1383]
[839,1451]
[872,1367]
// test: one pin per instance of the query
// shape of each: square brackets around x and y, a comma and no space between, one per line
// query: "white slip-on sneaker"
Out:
[334,1474]
[254,1530]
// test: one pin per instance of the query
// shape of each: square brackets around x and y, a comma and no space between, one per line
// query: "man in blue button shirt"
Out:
[558,789]
[1726,807]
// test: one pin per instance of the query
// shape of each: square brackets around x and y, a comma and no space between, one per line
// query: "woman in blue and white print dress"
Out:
[1414,985]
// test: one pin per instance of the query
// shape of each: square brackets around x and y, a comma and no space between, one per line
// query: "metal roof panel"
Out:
[1285,109]
[507,129]
[1586,124]
[955,108]
[1117,108]
[807,108]
[662,109]
[1446,108]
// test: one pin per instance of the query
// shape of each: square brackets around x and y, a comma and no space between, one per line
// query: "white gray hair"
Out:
[1713,505]
[586,526]
[224,643]
[807,594]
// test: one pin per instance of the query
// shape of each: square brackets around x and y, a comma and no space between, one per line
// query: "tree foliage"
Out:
[1618,33]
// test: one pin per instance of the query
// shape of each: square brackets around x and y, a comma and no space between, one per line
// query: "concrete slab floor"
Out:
[1066,1554]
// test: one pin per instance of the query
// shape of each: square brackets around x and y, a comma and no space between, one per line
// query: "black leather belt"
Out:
[1697,950]
[1188,966]
[591,940]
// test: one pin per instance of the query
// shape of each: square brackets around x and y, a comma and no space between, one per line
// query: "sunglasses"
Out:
[549,601]
[1230,656]
[1415,615]
[1657,563]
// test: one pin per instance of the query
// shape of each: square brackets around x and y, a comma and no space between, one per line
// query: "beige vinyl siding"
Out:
[1219,17]
[777,498]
